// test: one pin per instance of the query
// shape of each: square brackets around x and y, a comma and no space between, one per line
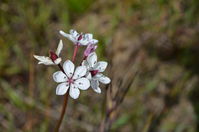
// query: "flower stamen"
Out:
[71,81]
[94,72]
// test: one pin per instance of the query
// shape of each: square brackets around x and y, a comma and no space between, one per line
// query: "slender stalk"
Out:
[64,106]
[61,68]
[62,112]
[75,52]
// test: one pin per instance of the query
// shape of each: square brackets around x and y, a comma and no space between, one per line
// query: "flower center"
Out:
[94,72]
[53,56]
[70,80]
[80,37]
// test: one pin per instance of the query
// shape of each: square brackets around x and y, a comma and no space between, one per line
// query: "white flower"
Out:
[53,58]
[71,79]
[95,70]
[79,39]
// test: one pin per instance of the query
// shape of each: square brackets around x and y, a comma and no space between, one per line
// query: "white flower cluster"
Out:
[72,79]
[80,39]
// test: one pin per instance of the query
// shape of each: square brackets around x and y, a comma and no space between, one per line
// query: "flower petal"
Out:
[64,34]
[74,91]
[94,41]
[89,36]
[68,36]
[89,76]
[74,33]
[59,76]
[101,66]
[85,63]
[80,72]
[92,59]
[105,80]
[83,42]
[82,83]
[59,48]
[95,86]
[44,60]
[68,67]
[62,88]
[57,61]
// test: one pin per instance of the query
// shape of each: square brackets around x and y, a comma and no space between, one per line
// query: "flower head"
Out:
[72,79]
[95,70]
[53,58]
[79,39]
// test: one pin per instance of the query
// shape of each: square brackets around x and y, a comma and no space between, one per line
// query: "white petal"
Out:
[80,72]
[59,76]
[82,83]
[68,67]
[89,76]
[89,36]
[64,34]
[101,66]
[59,48]
[74,33]
[94,41]
[92,59]
[74,91]
[84,42]
[95,86]
[97,90]
[85,63]
[68,36]
[97,76]
[57,61]
[44,60]
[105,80]
[62,88]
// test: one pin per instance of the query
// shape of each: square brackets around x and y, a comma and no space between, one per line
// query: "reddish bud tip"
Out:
[94,72]
[80,37]
[53,56]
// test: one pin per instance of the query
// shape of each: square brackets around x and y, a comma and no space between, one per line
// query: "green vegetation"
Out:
[164,34]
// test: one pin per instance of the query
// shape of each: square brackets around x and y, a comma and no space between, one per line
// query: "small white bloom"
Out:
[72,79]
[79,39]
[95,70]
[53,59]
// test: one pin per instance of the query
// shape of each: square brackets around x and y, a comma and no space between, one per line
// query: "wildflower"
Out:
[95,70]
[53,58]
[71,80]
[79,39]
[90,49]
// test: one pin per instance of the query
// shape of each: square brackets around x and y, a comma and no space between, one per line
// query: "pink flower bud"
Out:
[89,49]
[53,56]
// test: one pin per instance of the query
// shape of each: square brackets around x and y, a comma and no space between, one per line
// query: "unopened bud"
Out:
[53,56]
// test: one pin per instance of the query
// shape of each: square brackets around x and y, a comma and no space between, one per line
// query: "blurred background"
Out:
[152,47]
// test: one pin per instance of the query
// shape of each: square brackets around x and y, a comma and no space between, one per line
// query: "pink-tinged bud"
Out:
[90,49]
[80,37]
[94,72]
[53,56]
